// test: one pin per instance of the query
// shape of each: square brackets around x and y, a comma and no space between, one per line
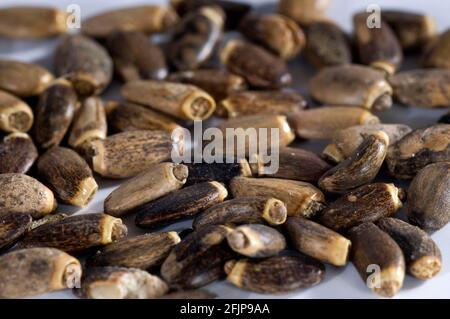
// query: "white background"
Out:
[339,282]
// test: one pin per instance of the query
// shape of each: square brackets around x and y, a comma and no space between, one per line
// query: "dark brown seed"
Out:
[437,54]
[85,63]
[77,233]
[422,255]
[15,114]
[190,294]
[12,227]
[180,204]
[365,204]
[304,12]
[221,172]
[275,275]
[259,67]
[373,247]
[17,153]
[47,219]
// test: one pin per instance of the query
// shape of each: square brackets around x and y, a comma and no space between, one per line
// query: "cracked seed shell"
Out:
[17,153]
[12,227]
[15,114]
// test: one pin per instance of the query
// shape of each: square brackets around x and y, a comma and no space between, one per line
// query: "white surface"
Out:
[339,282]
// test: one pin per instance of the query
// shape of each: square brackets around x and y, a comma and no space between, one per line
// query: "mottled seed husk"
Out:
[17,153]
[301,198]
[422,255]
[47,219]
[365,204]
[304,12]
[275,275]
[183,101]
[68,175]
[20,193]
[143,252]
[77,233]
[190,294]
[180,204]
[12,227]
[259,67]
[84,63]
[15,114]
[23,79]
[27,22]
[221,172]
[437,55]
[372,246]
[35,271]
[157,181]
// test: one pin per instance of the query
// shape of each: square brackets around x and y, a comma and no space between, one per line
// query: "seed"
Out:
[409,87]
[23,79]
[77,233]
[17,153]
[190,294]
[198,259]
[418,149]
[372,246]
[352,85]
[437,54]
[68,175]
[367,203]
[47,219]
[183,101]
[15,114]
[157,181]
[180,204]
[20,193]
[127,154]
[275,275]
[301,198]
[346,141]
[304,12]
[89,123]
[221,172]
[35,271]
[359,169]
[317,241]
[12,227]
[141,59]
[84,63]
[377,47]
[147,19]
[120,283]
[23,22]
[255,240]
[143,252]
[54,113]
[259,67]
[324,122]
[422,255]
[275,32]
[327,45]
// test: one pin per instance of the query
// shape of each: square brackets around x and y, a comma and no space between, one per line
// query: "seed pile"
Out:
[266,232]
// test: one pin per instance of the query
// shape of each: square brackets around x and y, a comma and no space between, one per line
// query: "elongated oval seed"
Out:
[180,204]
[275,275]
[437,55]
[68,175]
[12,227]
[220,172]
[17,153]
[20,193]
[304,11]
[372,246]
[422,255]
[183,101]
[77,233]
[301,198]
[45,270]
[15,114]
[157,181]
[23,79]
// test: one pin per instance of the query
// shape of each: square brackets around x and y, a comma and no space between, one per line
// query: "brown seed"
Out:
[84,63]
[437,54]
[180,204]
[183,101]
[20,193]
[157,181]
[12,227]
[304,12]
[77,233]
[47,219]
[372,246]
[143,252]
[140,60]
[259,67]
[147,19]
[23,79]
[17,153]
[68,175]
[275,275]
[367,203]
[26,22]
[15,114]
[221,172]
[317,241]
[352,85]
[422,255]
[301,198]
[190,294]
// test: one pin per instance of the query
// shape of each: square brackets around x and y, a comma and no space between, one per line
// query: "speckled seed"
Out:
[304,11]
[15,114]
[47,219]
[221,172]
[17,153]
[437,54]
[12,227]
